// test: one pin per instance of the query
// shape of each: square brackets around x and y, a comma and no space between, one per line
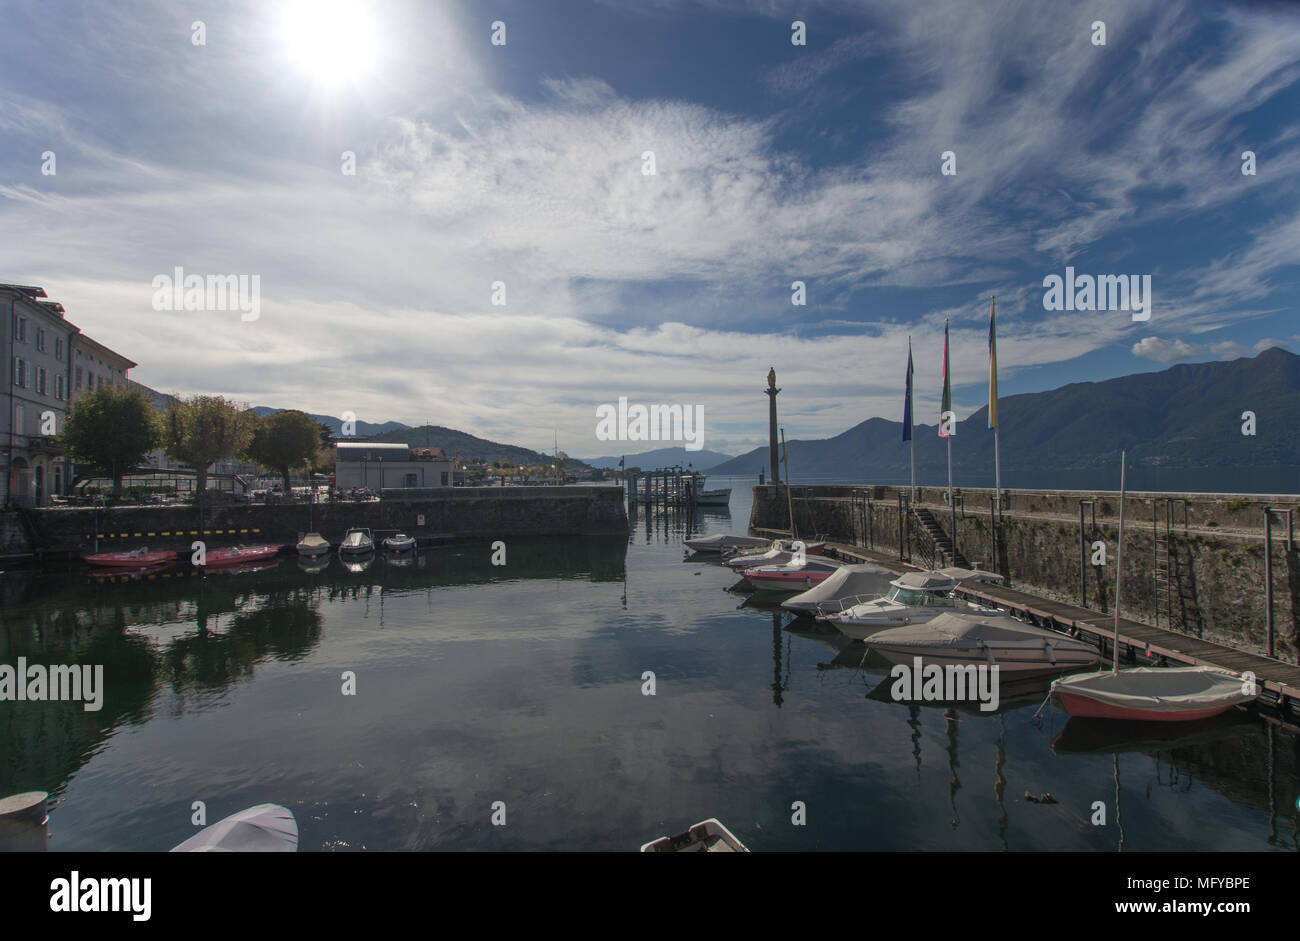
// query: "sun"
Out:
[332,41]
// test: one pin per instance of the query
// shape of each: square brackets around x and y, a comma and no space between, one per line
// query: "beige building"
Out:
[49,363]
[377,466]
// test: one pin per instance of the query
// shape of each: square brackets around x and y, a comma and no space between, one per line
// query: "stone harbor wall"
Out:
[1215,556]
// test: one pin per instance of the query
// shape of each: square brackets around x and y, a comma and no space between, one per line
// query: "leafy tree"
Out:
[286,441]
[206,428]
[112,429]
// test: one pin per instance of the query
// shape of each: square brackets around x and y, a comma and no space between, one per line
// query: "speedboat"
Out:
[777,545]
[1153,694]
[778,552]
[720,497]
[237,555]
[399,542]
[707,836]
[795,575]
[846,586]
[992,639]
[911,599]
[357,542]
[312,545]
[720,541]
[136,558]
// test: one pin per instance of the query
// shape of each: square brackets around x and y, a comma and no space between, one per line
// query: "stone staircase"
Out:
[942,542]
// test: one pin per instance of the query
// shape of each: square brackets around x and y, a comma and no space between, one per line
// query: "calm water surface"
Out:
[523,684]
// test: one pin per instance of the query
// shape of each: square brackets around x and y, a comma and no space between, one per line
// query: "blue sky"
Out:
[522,163]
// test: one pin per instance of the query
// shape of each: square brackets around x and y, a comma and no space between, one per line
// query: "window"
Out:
[40,380]
[100,381]
[20,420]
[59,390]
[78,377]
[58,349]
[444,478]
[20,329]
[40,340]
[20,373]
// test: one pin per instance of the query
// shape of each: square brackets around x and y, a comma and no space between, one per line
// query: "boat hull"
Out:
[125,560]
[1085,707]
[240,555]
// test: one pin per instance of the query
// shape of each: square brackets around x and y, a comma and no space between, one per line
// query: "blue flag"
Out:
[907,404]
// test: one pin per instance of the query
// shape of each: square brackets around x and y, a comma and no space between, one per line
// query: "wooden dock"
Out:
[1279,683]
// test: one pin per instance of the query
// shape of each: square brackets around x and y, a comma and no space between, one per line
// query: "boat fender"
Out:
[1051,654]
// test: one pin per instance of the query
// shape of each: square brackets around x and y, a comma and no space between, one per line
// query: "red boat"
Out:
[110,572]
[238,555]
[139,558]
[791,576]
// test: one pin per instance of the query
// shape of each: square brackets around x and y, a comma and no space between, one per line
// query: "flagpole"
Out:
[993,407]
[911,437]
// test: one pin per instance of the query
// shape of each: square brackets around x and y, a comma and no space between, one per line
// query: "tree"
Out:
[112,429]
[204,429]
[285,441]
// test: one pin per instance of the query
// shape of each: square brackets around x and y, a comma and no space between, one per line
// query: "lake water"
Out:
[523,683]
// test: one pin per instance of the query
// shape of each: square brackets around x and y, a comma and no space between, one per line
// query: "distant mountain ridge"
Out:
[664,457]
[1187,416]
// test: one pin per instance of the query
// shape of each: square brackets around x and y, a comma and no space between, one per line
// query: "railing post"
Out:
[1268,577]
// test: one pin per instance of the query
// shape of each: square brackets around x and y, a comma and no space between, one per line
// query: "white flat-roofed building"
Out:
[377,466]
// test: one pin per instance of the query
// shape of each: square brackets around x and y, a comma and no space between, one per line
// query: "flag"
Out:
[993,371]
[907,401]
[947,384]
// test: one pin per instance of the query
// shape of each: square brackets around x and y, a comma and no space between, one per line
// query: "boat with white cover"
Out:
[847,585]
[912,598]
[795,575]
[720,541]
[993,638]
[1152,694]
[312,545]
[357,542]
[399,542]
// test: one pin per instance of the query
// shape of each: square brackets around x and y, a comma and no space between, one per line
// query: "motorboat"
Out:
[707,836]
[912,598]
[719,497]
[1153,694]
[312,545]
[136,558]
[795,575]
[778,552]
[720,541]
[238,555]
[777,545]
[847,585]
[399,542]
[992,639]
[357,542]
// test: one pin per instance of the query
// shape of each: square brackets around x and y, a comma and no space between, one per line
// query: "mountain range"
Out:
[1190,416]
[663,457]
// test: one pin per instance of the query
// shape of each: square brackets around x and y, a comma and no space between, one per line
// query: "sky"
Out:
[211,137]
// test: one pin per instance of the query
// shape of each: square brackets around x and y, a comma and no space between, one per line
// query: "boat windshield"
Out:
[915,597]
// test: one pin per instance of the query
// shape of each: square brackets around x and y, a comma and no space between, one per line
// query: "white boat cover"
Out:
[975,630]
[719,541]
[959,574]
[847,582]
[926,581]
[1158,689]
[266,828]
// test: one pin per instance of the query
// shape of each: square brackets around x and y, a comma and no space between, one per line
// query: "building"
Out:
[40,384]
[378,466]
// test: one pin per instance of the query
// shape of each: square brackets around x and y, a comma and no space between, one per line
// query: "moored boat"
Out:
[1152,694]
[720,541]
[912,598]
[847,585]
[312,545]
[357,542]
[974,639]
[796,575]
[238,555]
[719,497]
[399,542]
[137,558]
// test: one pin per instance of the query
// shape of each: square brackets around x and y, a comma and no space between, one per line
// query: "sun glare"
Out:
[333,41]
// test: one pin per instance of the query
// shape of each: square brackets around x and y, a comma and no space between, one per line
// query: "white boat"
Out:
[707,836]
[266,828]
[780,550]
[312,545]
[357,542]
[720,541]
[719,497]
[399,542]
[993,638]
[1150,694]
[846,585]
[912,598]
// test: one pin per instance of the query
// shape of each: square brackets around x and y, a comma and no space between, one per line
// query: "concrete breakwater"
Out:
[462,513]
[1194,563]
